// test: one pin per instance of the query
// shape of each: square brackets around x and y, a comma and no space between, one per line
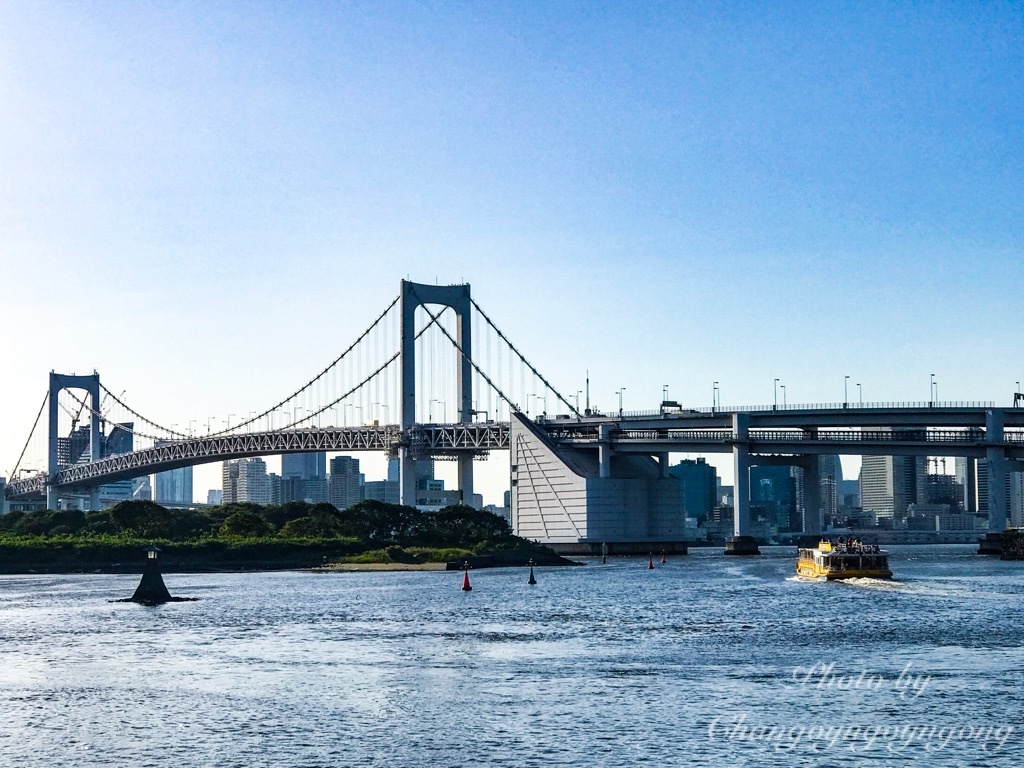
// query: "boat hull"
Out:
[813,571]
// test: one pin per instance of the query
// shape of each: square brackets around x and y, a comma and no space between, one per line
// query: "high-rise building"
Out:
[173,487]
[890,484]
[967,475]
[381,490]
[700,486]
[246,480]
[830,474]
[304,465]
[982,485]
[774,489]
[214,497]
[343,487]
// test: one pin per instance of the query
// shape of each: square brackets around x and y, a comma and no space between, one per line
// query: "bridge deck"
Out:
[938,431]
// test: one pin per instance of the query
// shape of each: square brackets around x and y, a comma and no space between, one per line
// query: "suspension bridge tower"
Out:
[91,384]
[413,296]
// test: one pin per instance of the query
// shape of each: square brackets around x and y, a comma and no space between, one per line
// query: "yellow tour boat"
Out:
[845,560]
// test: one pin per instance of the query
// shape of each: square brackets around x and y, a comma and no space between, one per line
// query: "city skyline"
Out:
[797,204]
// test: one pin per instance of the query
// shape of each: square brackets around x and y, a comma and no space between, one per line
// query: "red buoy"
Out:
[650,562]
[465,580]
[663,560]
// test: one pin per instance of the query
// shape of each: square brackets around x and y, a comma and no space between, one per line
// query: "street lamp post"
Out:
[846,395]
[664,393]
[621,390]
[714,395]
[775,395]
[931,391]
[783,388]
[860,396]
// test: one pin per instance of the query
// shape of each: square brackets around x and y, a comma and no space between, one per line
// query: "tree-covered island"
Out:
[252,537]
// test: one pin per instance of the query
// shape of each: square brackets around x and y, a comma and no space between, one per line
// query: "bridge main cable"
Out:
[31,434]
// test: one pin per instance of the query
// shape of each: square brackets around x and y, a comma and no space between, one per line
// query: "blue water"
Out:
[704,661]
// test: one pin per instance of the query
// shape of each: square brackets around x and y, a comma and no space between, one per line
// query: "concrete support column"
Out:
[741,467]
[52,467]
[466,479]
[663,464]
[604,449]
[812,495]
[742,543]
[996,456]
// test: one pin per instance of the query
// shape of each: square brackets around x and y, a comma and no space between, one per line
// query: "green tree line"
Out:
[372,523]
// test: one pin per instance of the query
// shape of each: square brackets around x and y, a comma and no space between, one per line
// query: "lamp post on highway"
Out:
[931,391]
[783,388]
[621,390]
[846,395]
[860,396]
[775,395]
[714,396]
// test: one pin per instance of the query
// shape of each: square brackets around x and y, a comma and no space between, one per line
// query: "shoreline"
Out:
[368,567]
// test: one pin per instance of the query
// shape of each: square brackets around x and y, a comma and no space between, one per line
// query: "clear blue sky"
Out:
[660,192]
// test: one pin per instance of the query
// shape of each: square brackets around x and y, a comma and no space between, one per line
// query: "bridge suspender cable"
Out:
[17,464]
[311,415]
[136,414]
[173,433]
[316,378]
[477,367]
[521,357]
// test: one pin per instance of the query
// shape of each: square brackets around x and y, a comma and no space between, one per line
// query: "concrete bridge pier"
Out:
[742,543]
[995,454]
[466,479]
[812,523]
